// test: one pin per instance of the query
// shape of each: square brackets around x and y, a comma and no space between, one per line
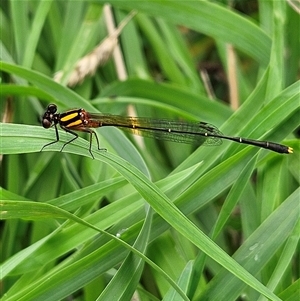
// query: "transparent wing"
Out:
[163,129]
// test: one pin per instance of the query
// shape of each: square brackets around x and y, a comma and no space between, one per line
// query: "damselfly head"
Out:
[46,123]
[52,108]
[49,115]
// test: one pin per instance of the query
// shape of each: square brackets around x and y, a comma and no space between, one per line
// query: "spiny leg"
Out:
[74,138]
[91,141]
[57,138]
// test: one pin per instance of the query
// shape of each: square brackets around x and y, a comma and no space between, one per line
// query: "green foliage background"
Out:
[211,223]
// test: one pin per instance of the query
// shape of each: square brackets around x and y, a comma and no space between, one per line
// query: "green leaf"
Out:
[211,19]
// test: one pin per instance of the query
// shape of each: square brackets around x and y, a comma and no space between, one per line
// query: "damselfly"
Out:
[164,129]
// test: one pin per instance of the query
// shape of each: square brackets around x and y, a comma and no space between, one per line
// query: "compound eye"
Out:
[46,123]
[52,108]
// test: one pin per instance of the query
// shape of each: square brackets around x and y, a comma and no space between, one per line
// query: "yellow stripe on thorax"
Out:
[69,116]
[74,123]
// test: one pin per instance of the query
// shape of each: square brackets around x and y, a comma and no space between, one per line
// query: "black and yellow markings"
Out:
[170,130]
[69,116]
[71,119]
